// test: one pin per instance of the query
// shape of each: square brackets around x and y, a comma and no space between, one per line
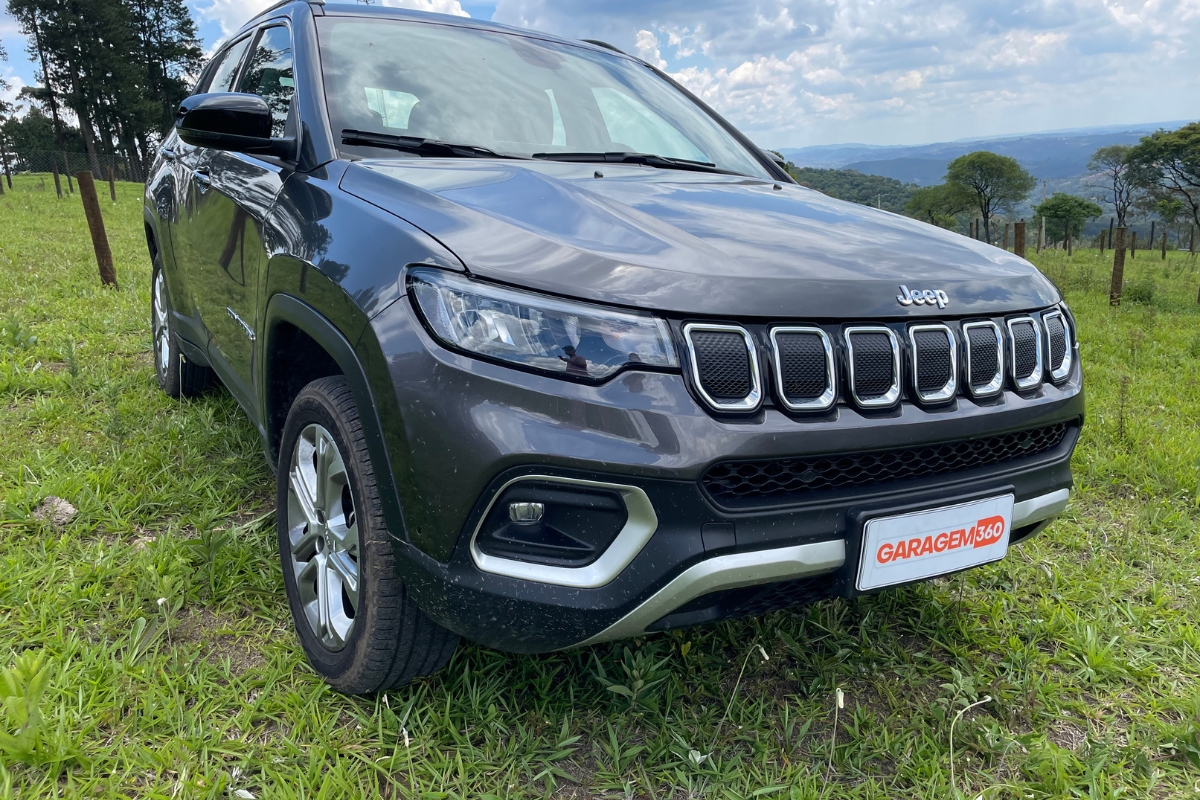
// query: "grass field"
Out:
[169,668]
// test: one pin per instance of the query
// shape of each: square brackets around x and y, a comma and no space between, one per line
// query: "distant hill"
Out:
[1053,155]
[845,184]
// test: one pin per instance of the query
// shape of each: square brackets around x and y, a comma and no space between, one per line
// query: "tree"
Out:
[1168,163]
[848,184]
[936,205]
[990,183]
[1112,166]
[1061,210]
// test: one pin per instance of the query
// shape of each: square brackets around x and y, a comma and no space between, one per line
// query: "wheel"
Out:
[359,627]
[177,376]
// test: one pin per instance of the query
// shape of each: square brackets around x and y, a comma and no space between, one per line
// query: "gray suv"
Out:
[547,353]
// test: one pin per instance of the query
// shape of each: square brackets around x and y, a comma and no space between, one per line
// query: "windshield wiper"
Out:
[647,159]
[418,145]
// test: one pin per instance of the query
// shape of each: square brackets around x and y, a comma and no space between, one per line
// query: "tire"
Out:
[359,627]
[177,376]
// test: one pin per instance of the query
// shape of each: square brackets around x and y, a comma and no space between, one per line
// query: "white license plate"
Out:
[909,547]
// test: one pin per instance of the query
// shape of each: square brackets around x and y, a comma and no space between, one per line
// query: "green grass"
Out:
[1087,640]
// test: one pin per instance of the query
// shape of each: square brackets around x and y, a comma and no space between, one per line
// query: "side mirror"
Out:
[230,121]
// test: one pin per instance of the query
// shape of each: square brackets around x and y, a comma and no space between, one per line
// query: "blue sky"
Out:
[798,72]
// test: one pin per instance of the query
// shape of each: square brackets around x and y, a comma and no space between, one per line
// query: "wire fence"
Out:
[102,166]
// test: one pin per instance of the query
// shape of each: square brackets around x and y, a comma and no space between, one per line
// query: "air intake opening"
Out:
[804,373]
[1025,342]
[874,364]
[724,363]
[935,362]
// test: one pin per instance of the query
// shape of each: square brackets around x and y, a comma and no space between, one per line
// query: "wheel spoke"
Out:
[326,452]
[324,592]
[304,496]
[344,567]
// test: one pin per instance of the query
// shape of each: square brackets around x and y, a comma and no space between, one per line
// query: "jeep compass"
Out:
[547,353]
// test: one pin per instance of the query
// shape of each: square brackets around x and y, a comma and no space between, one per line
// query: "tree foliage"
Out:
[120,65]
[1062,208]
[849,184]
[1167,163]
[936,205]
[1111,165]
[989,183]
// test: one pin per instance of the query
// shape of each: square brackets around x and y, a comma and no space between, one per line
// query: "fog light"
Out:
[526,513]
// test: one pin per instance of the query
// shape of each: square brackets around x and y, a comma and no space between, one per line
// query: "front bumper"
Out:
[463,429]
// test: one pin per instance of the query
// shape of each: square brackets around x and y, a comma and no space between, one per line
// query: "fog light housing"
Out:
[556,524]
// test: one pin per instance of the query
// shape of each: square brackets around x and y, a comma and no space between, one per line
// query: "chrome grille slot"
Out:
[984,353]
[1059,340]
[724,365]
[874,365]
[804,371]
[1025,344]
[935,362]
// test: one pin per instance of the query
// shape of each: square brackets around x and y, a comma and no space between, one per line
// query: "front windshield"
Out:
[512,94]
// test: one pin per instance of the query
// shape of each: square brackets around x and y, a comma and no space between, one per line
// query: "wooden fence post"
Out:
[1118,273]
[1192,242]
[57,180]
[1110,231]
[67,165]
[1164,244]
[1133,244]
[1069,250]
[971,228]
[91,209]
[1041,235]
[1103,234]
[112,185]
[1151,240]
[1019,239]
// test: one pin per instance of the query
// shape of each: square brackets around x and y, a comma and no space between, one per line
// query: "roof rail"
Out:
[283,3]
[605,45]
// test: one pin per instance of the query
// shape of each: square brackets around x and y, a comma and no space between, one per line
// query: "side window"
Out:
[226,71]
[269,75]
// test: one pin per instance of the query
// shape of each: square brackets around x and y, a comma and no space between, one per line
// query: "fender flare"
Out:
[284,307]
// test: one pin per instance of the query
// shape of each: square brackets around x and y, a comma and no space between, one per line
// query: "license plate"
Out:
[910,547]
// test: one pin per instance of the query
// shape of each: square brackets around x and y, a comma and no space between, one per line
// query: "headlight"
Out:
[560,337]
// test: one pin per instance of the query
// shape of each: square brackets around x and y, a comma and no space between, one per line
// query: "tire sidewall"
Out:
[336,666]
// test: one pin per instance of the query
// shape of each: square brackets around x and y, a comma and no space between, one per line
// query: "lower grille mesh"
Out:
[750,482]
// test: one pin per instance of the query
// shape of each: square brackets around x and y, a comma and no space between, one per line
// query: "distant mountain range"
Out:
[1054,156]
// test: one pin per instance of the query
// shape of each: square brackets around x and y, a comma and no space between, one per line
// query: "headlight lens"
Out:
[560,337]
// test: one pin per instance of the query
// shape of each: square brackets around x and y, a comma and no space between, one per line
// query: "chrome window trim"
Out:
[829,396]
[893,394]
[726,572]
[997,382]
[1062,372]
[640,525]
[752,401]
[951,387]
[1035,378]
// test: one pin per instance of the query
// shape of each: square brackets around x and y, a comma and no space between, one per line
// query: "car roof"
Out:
[351,10]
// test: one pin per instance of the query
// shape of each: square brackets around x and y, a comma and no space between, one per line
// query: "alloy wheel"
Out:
[162,331]
[323,536]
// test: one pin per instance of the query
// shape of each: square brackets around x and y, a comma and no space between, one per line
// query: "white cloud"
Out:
[794,72]
[233,14]
[14,87]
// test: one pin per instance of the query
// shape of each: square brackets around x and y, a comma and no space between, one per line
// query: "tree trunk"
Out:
[1118,273]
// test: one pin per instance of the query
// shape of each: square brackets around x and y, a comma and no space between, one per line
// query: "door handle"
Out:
[168,154]
[202,179]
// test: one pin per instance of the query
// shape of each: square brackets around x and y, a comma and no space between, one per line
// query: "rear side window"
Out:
[269,75]
[225,73]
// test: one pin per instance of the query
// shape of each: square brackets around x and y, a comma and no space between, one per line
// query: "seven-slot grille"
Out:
[726,369]
[873,353]
[935,362]
[1025,343]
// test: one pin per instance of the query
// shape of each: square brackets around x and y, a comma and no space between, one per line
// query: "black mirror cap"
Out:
[230,121]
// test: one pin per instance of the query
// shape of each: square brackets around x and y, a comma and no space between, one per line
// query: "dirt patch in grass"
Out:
[214,633]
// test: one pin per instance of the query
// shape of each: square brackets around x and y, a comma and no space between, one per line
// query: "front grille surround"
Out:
[888,398]
[825,400]
[1032,379]
[1059,373]
[950,388]
[753,399]
[992,387]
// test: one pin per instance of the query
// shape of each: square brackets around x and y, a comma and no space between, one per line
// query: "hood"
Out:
[692,243]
